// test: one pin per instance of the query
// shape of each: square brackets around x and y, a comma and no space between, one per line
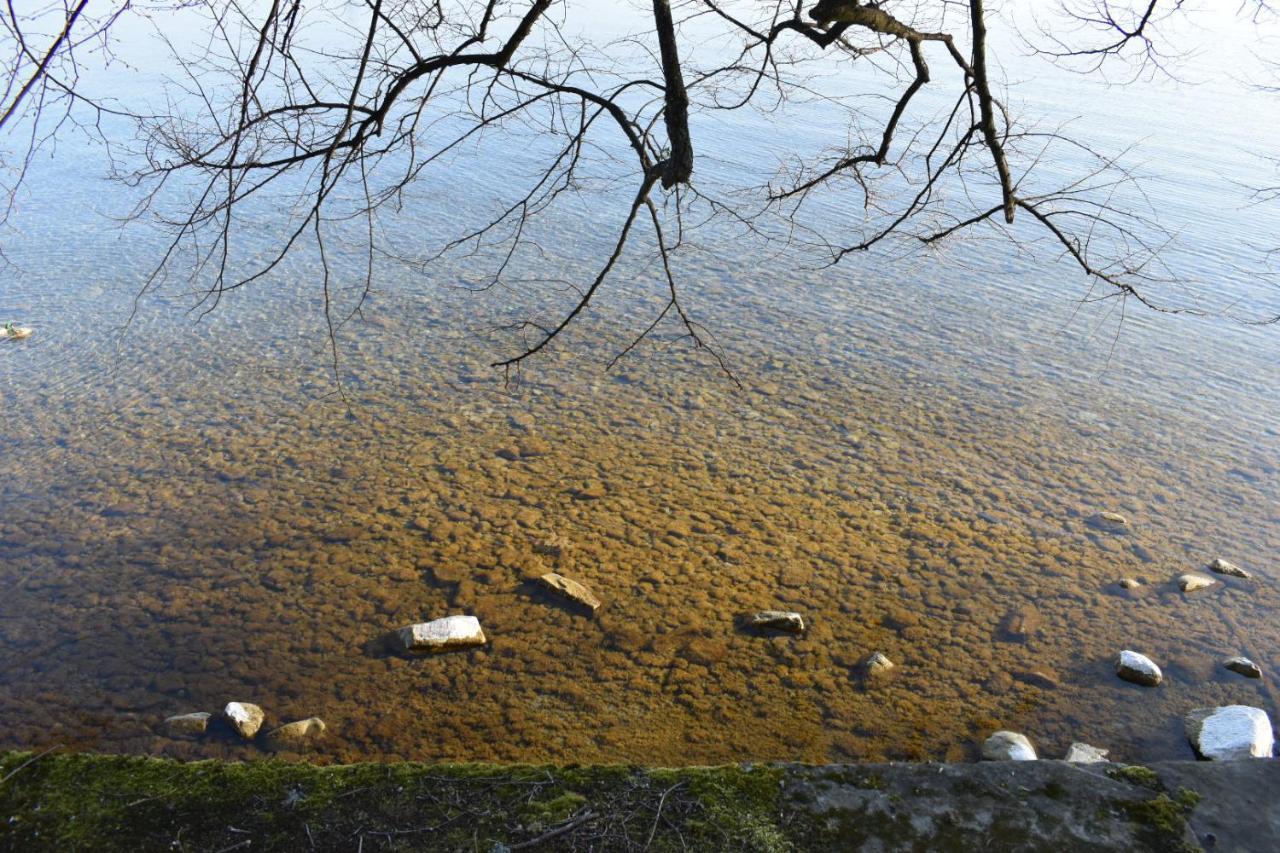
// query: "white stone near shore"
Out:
[1230,731]
[1138,669]
[1008,746]
[245,717]
[1223,567]
[188,725]
[451,632]
[1190,582]
[296,734]
[1083,753]
[783,620]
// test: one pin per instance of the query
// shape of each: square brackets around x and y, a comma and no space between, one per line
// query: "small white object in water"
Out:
[17,333]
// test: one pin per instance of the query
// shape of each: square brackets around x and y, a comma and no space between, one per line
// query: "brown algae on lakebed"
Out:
[221,529]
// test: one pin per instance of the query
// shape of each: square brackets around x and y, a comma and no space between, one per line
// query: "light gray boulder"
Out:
[245,717]
[1224,567]
[439,635]
[1083,753]
[1230,731]
[1138,669]
[1008,746]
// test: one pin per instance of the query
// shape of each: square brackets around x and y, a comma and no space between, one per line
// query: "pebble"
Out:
[187,725]
[1130,583]
[1191,582]
[783,620]
[1008,746]
[1244,666]
[1230,731]
[571,590]
[1083,753]
[245,717]
[1138,669]
[1111,522]
[877,664]
[1224,567]
[440,635]
[297,733]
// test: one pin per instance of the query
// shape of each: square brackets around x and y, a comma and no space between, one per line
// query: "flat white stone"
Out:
[1230,731]
[245,717]
[1224,567]
[1008,746]
[570,589]
[439,635]
[1082,753]
[1190,582]
[1138,669]
[783,620]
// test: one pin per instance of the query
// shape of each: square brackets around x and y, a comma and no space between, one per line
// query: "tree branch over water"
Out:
[338,114]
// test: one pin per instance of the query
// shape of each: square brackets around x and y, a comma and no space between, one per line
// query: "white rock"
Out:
[440,635]
[1112,522]
[783,620]
[1190,582]
[1224,567]
[877,664]
[571,589]
[245,717]
[1230,731]
[296,734]
[1008,746]
[1137,668]
[188,724]
[1244,666]
[1130,583]
[1082,753]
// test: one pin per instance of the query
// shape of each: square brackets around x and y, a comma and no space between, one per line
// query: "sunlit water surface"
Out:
[190,513]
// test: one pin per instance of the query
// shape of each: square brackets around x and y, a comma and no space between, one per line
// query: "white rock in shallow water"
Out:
[1224,567]
[1137,668]
[451,632]
[783,620]
[296,734]
[245,717]
[1008,746]
[1190,582]
[1130,583]
[1244,666]
[877,664]
[188,724]
[1112,522]
[1230,731]
[1082,753]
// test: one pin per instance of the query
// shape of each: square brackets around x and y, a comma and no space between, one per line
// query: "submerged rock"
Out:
[1021,622]
[1111,522]
[1008,746]
[451,632]
[245,717]
[1083,753]
[1230,731]
[188,725]
[1224,567]
[295,734]
[782,620]
[1138,669]
[571,590]
[1130,583]
[877,664]
[1190,582]
[1244,666]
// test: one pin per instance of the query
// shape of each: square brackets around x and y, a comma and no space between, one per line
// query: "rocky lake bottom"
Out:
[192,514]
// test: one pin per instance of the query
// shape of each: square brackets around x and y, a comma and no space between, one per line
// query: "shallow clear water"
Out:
[190,514]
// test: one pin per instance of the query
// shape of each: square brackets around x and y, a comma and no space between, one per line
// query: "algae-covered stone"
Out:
[1230,731]
[296,734]
[571,590]
[1138,669]
[451,632]
[1224,567]
[245,717]
[1244,666]
[188,725]
[782,620]
[1008,746]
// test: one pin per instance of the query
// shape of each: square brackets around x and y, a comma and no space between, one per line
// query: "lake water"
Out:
[190,514]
